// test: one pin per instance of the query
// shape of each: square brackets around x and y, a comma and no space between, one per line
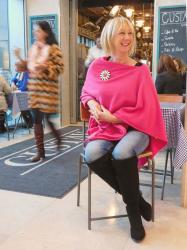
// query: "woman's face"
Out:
[17,67]
[39,34]
[123,40]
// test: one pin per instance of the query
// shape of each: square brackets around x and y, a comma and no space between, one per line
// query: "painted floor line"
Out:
[43,163]
[6,156]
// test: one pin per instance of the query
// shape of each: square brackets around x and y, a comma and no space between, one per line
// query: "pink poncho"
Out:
[130,95]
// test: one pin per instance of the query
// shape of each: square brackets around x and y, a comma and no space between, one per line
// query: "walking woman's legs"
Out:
[39,135]
[53,129]
[27,117]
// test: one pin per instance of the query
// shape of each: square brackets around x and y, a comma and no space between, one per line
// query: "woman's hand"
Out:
[13,87]
[94,108]
[100,113]
[17,53]
[106,116]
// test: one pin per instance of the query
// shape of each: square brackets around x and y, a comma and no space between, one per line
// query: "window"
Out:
[4,37]
[12,35]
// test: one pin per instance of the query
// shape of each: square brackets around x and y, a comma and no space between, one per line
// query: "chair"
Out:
[170,98]
[17,122]
[2,113]
[170,151]
[84,115]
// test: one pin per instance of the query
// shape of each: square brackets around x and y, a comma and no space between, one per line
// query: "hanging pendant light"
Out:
[140,23]
[114,11]
[129,12]
[147,28]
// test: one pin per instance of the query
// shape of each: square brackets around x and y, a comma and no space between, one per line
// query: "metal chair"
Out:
[17,122]
[170,151]
[170,98]
[84,114]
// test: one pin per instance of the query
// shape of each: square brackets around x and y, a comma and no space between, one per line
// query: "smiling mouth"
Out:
[125,44]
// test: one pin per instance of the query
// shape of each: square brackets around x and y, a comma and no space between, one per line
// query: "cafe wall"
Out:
[40,7]
[16,35]
[160,3]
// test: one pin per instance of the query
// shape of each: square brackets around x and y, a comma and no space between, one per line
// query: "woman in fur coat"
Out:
[44,65]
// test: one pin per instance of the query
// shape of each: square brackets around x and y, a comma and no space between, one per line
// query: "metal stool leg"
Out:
[171,165]
[153,189]
[79,180]
[89,199]
[165,173]
[81,162]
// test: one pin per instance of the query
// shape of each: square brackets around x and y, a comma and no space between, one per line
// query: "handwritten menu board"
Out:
[172,37]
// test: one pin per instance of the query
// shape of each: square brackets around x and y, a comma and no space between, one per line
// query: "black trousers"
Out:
[27,116]
[2,122]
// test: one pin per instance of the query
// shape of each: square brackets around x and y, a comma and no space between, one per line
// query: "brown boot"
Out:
[56,134]
[39,138]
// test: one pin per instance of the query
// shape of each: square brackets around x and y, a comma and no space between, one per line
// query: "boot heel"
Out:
[137,230]
[145,209]
[37,158]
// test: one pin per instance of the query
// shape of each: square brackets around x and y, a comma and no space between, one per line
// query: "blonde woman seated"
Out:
[125,119]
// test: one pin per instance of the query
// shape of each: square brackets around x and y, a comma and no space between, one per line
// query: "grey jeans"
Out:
[133,143]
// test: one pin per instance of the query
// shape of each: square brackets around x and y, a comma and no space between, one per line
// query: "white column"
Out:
[64,81]
[73,60]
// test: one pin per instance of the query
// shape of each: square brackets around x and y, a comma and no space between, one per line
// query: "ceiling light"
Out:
[129,12]
[140,23]
[147,29]
[114,11]
[91,26]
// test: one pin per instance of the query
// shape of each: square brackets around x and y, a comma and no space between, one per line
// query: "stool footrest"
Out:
[109,217]
[150,185]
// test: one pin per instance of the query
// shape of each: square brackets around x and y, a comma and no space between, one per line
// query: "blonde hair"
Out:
[180,65]
[111,28]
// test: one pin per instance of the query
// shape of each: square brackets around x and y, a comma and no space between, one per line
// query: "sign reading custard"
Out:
[172,37]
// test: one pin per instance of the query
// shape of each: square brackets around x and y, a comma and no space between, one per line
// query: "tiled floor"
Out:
[30,222]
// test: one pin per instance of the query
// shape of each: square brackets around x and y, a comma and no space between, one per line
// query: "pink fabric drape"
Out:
[130,95]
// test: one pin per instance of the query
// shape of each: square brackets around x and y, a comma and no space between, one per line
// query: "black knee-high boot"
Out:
[128,180]
[103,168]
[145,209]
